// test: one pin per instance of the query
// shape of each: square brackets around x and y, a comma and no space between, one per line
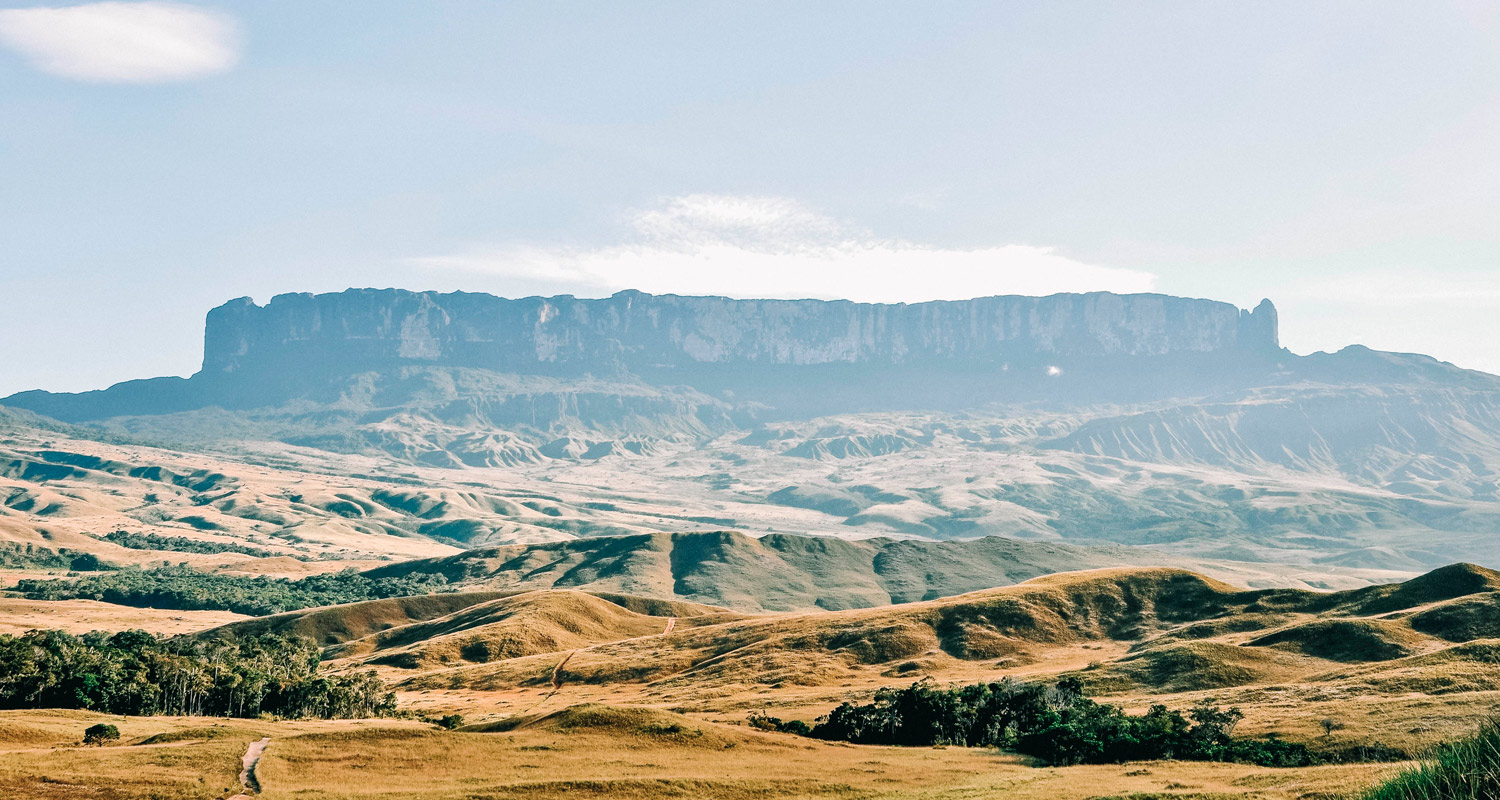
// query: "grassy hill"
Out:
[1145,633]
[776,572]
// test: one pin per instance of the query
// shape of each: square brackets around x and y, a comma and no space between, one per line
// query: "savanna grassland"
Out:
[589,751]
[569,693]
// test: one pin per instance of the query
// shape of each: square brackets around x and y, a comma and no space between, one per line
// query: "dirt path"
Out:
[247,769]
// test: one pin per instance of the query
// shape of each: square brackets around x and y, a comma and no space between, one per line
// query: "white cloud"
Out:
[145,42]
[776,247]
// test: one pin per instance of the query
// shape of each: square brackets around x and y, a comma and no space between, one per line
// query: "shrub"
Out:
[101,734]
[449,722]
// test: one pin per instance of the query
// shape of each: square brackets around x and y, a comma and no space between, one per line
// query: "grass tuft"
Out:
[1465,770]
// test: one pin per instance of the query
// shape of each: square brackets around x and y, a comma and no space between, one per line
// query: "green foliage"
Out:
[1465,770]
[135,673]
[87,562]
[186,589]
[1054,723]
[16,555]
[182,544]
[100,734]
[449,722]
[19,555]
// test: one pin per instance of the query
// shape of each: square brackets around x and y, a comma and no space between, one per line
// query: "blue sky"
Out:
[159,159]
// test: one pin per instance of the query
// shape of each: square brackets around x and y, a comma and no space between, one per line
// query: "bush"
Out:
[1465,770]
[449,722]
[101,734]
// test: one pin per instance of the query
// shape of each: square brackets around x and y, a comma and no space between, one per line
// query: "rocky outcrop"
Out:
[638,333]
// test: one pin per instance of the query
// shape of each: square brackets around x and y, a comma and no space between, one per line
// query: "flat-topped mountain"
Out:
[642,333]
[786,357]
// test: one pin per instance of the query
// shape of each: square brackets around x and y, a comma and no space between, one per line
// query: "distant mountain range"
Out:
[1098,418]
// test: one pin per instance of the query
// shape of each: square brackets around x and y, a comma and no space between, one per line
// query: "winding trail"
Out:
[247,769]
[557,671]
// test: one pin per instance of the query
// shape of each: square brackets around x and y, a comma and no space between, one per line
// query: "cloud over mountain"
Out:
[748,246]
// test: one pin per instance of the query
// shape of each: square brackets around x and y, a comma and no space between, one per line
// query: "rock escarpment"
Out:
[638,333]
[706,360]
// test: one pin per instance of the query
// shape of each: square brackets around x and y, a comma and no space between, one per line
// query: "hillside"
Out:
[775,572]
[1127,632]
[438,629]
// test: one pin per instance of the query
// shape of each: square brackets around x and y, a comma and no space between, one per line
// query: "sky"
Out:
[158,159]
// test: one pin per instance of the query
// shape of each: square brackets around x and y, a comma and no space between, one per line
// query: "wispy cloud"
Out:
[147,42]
[777,247]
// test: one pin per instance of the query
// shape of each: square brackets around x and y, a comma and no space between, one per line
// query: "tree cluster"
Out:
[19,555]
[182,544]
[138,674]
[1054,723]
[187,589]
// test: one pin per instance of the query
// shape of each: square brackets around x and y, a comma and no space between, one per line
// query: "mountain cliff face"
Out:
[640,333]
[713,358]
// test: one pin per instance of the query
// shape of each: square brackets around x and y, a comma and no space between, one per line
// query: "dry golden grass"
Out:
[511,627]
[630,755]
[81,616]
[40,757]
[587,752]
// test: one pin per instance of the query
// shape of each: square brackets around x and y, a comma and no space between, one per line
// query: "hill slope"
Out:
[1122,630]
[771,573]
